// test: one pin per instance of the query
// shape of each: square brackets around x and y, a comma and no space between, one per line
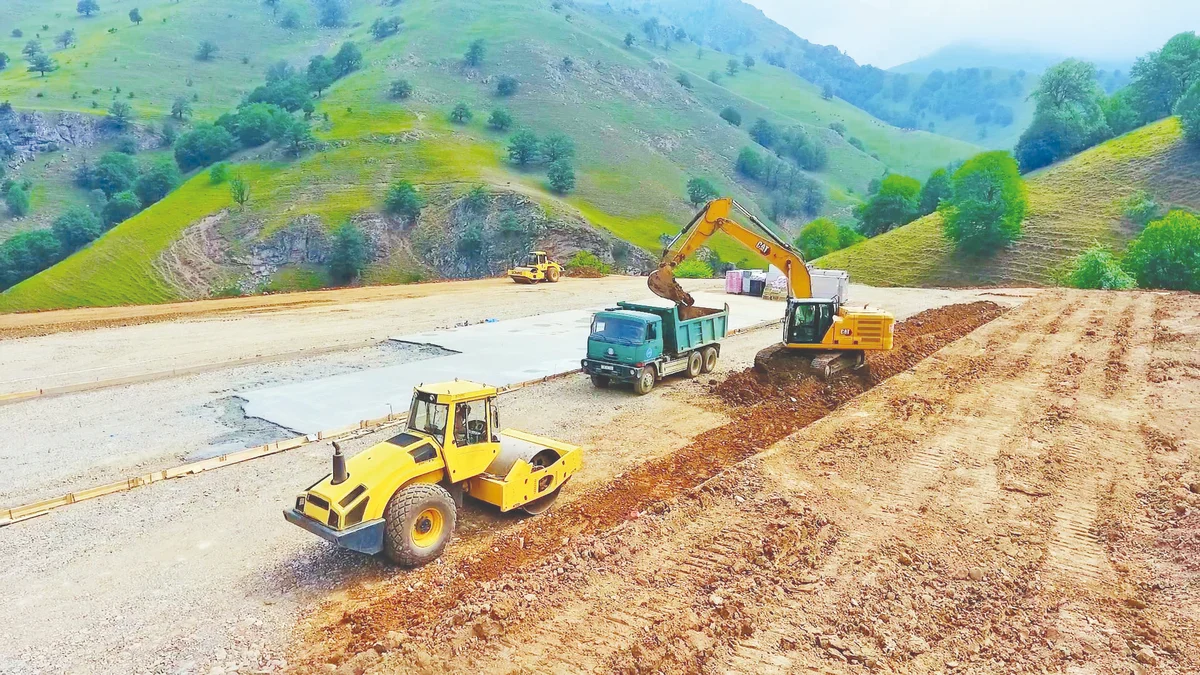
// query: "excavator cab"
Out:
[808,320]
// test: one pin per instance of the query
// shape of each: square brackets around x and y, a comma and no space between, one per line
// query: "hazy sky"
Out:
[886,33]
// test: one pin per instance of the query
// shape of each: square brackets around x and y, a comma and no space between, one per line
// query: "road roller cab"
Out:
[401,497]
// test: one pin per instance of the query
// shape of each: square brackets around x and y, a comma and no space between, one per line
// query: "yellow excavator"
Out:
[830,336]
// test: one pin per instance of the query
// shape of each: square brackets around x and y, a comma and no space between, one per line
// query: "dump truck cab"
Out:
[400,497]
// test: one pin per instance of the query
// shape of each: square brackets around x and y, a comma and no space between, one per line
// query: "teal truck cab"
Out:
[642,344]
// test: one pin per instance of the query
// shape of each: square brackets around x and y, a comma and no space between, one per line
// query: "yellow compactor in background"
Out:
[539,267]
[828,334]
[401,497]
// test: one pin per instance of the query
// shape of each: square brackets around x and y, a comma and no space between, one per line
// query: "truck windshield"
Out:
[427,415]
[619,331]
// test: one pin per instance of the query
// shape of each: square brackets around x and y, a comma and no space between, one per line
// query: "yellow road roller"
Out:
[401,497]
[537,268]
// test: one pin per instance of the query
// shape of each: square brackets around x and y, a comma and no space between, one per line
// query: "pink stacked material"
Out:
[733,281]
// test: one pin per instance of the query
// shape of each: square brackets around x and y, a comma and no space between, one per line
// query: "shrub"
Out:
[17,200]
[207,50]
[122,206]
[202,146]
[403,200]
[1097,267]
[895,204]
[750,163]
[114,173]
[76,227]
[219,173]
[557,147]
[26,254]
[474,55]
[684,81]
[857,144]
[700,191]
[1167,253]
[400,89]
[349,255]
[731,115]
[561,176]
[347,60]
[585,263]
[764,133]
[126,144]
[848,236]
[694,269]
[382,28]
[157,181]
[1141,208]
[838,128]
[933,192]
[507,85]
[987,204]
[477,198]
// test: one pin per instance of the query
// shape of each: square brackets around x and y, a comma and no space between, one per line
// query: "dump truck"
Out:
[401,497]
[824,333]
[641,344]
[537,268]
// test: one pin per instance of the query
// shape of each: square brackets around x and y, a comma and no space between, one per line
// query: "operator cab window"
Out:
[470,423]
[428,415]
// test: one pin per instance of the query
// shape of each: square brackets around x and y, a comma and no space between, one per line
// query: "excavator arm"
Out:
[716,217]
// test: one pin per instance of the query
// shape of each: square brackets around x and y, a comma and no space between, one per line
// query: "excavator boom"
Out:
[716,217]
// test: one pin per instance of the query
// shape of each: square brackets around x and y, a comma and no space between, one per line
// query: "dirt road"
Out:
[1025,499]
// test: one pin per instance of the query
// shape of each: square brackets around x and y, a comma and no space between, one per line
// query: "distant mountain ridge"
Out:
[963,55]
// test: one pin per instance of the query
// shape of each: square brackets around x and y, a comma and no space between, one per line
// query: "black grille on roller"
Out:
[333,520]
[356,514]
[318,502]
[354,494]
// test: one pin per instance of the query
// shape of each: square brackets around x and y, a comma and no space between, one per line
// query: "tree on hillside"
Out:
[114,172]
[1167,253]
[933,192]
[894,205]
[684,81]
[506,85]
[629,40]
[400,89]
[382,28]
[731,115]
[349,255]
[31,48]
[500,120]
[347,60]
[120,114]
[181,109]
[764,133]
[290,20]
[295,135]
[714,77]
[123,206]
[157,181]
[1119,113]
[561,176]
[474,55]
[239,190]
[321,73]
[75,227]
[42,63]
[987,203]
[1188,109]
[818,238]
[748,61]
[403,200]
[1098,268]
[750,163]
[17,200]
[557,147]
[65,39]
[207,50]
[3,60]
[1068,117]
[331,13]
[827,92]
[273,4]
[732,67]
[87,7]
[205,144]
[135,16]
[26,254]
[1160,78]
[461,114]
[523,147]
[701,191]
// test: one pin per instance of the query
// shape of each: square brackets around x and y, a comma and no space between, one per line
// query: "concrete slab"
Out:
[502,353]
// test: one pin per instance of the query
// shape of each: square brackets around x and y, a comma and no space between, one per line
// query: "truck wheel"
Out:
[418,523]
[695,364]
[552,275]
[600,381]
[710,359]
[644,383]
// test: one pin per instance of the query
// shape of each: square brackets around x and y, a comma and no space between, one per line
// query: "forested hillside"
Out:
[323,142]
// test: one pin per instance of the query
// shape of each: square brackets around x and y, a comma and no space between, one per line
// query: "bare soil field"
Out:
[1024,499]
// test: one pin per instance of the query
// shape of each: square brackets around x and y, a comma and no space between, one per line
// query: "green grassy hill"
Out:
[640,136]
[1072,205]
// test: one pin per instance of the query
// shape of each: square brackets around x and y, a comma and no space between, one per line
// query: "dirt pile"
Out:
[772,411]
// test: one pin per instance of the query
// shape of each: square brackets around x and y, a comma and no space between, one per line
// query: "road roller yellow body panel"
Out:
[400,497]
[537,268]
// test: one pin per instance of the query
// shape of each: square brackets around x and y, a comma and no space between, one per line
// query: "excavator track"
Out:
[778,361]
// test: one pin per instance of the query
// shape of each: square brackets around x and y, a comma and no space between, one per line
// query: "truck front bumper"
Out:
[616,371]
[365,537]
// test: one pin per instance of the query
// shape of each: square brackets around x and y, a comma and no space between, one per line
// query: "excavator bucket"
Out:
[662,283]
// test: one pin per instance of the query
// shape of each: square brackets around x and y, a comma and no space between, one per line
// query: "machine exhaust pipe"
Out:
[339,465]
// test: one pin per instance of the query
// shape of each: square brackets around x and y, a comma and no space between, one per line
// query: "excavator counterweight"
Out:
[829,336]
